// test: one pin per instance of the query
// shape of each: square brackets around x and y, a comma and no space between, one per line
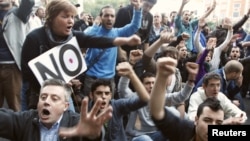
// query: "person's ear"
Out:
[196,120]
[66,106]
[203,86]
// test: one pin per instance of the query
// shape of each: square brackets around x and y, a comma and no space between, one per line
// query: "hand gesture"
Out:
[135,56]
[213,5]
[237,120]
[136,4]
[167,37]
[184,2]
[192,68]
[76,83]
[211,44]
[202,22]
[90,123]
[227,24]
[124,69]
[185,36]
[166,66]
[97,20]
[134,40]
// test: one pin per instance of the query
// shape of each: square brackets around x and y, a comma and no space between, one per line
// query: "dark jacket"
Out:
[24,126]
[39,41]
[124,16]
[174,128]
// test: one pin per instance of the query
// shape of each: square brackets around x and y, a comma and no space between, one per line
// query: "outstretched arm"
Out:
[184,2]
[197,42]
[166,66]
[131,41]
[209,11]
[125,69]
[90,123]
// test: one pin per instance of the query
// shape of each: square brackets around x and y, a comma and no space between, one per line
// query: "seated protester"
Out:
[183,58]
[121,107]
[211,88]
[140,126]
[231,81]
[217,51]
[148,63]
[234,54]
[173,127]
[49,121]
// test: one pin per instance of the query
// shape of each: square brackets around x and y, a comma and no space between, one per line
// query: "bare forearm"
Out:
[153,48]
[157,99]
[139,88]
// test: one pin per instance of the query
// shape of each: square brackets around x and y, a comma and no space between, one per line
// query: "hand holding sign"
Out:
[63,62]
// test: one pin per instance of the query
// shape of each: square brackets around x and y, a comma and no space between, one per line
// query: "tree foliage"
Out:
[94,6]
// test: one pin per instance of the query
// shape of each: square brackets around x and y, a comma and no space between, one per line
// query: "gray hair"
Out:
[58,82]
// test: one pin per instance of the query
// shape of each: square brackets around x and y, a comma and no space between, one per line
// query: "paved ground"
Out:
[247,104]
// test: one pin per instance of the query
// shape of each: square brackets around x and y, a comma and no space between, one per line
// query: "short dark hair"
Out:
[209,76]
[104,7]
[211,102]
[172,12]
[169,51]
[101,82]
[145,75]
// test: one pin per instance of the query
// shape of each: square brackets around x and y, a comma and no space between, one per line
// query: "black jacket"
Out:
[24,126]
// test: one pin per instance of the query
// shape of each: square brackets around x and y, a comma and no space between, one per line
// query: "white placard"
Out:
[63,62]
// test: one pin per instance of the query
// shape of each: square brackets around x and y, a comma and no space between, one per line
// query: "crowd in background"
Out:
[158,71]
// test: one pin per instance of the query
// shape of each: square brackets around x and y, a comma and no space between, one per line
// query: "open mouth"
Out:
[45,112]
[103,104]
[69,27]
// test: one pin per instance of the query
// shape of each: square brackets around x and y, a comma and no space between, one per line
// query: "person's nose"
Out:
[47,100]
[71,20]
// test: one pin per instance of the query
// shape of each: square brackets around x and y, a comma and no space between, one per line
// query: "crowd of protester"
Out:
[148,77]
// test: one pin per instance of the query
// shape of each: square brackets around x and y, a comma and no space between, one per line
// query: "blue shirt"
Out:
[49,134]
[105,66]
